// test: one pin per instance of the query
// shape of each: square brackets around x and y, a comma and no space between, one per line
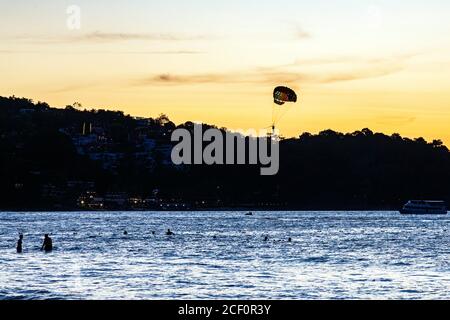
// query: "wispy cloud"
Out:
[241,77]
[73,87]
[108,37]
[18,51]
[398,58]
[105,37]
[322,61]
[102,52]
[206,78]
[301,34]
[168,52]
[271,75]
[395,120]
[368,73]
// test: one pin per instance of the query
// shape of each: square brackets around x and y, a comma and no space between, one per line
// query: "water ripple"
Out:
[223,255]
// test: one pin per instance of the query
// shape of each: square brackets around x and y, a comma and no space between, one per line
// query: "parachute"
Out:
[281,96]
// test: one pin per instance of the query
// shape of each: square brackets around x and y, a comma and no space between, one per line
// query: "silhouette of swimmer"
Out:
[125,232]
[47,246]
[19,244]
[266,238]
[249,213]
[169,233]
[290,240]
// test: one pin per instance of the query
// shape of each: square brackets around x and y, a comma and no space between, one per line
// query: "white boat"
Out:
[424,207]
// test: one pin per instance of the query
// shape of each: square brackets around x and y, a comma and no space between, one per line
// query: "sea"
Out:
[225,255]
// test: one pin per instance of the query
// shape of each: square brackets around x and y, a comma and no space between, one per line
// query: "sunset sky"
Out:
[379,64]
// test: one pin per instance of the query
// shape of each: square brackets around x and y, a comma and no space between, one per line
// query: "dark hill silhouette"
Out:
[50,156]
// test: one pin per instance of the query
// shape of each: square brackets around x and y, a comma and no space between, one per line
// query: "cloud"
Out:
[253,77]
[148,52]
[138,52]
[240,77]
[368,73]
[175,52]
[399,58]
[111,37]
[73,87]
[17,51]
[105,37]
[102,52]
[322,61]
[211,78]
[278,75]
[395,120]
[301,34]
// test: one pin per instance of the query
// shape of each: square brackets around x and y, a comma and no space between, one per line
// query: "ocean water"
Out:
[223,255]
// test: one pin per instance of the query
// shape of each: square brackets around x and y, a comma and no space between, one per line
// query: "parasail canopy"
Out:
[281,95]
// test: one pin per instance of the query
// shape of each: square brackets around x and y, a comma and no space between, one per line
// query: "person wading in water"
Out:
[47,246]
[19,243]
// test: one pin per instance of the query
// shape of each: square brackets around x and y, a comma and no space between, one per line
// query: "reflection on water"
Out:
[222,255]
